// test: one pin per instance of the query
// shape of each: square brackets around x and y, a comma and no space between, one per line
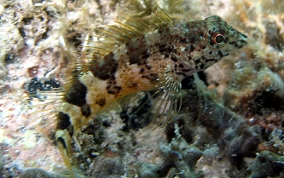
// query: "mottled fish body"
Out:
[158,58]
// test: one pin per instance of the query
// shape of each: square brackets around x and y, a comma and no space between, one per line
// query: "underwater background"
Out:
[230,124]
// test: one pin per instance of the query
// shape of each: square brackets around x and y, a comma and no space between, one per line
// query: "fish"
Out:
[152,54]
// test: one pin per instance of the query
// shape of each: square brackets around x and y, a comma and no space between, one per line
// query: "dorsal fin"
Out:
[112,36]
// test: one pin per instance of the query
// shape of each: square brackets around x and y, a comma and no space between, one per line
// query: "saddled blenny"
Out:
[151,55]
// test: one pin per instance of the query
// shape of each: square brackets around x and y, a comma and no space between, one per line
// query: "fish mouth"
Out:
[243,40]
[240,40]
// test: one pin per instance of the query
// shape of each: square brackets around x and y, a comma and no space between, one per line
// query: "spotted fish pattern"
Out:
[143,63]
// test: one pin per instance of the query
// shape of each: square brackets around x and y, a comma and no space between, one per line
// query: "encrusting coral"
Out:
[231,120]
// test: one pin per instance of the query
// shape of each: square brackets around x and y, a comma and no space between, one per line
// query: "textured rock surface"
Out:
[233,125]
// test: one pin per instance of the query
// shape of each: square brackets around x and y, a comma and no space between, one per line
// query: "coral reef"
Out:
[106,167]
[267,164]
[234,136]
[232,116]
[35,173]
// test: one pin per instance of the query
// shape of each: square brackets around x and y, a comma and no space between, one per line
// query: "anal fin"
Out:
[63,141]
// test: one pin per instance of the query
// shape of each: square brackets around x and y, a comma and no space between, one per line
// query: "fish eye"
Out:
[217,38]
